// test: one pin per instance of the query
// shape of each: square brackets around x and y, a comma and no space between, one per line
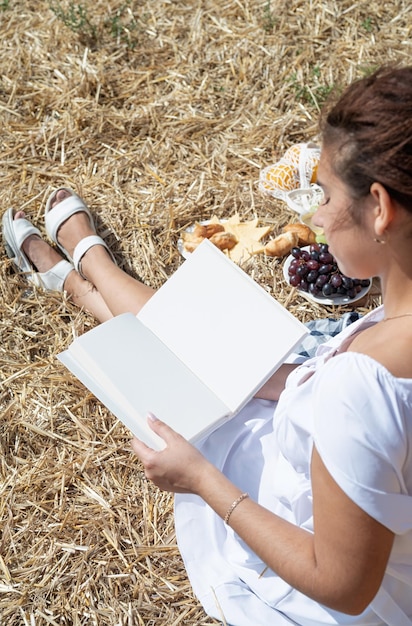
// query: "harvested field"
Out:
[158,114]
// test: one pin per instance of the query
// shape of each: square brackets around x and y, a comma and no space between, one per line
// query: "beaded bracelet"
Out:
[234,504]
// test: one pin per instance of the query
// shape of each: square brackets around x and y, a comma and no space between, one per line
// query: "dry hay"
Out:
[158,113]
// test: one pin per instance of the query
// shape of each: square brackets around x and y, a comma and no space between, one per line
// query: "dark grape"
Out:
[312,276]
[347,282]
[336,280]
[312,264]
[302,270]
[313,289]
[294,280]
[321,280]
[326,258]
[314,247]
[315,270]
[327,290]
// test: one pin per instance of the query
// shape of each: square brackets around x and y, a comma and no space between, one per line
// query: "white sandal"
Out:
[15,233]
[54,218]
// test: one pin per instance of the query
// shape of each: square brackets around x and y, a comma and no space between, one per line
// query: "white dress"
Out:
[360,418]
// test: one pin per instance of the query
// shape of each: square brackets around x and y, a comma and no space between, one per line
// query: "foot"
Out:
[76,235]
[42,256]
[74,229]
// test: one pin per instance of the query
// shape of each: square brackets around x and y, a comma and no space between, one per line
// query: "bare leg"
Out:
[82,293]
[121,293]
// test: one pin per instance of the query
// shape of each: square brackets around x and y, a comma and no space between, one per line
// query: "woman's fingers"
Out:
[140,448]
[162,429]
[175,467]
[143,451]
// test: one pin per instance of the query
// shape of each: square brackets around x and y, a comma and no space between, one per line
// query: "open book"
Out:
[198,350]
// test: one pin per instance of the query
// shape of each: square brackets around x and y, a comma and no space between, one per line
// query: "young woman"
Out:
[299,510]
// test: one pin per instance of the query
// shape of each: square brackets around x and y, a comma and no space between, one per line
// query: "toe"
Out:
[59,196]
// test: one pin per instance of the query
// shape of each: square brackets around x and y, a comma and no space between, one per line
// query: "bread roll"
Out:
[191,241]
[190,246]
[191,237]
[207,230]
[223,240]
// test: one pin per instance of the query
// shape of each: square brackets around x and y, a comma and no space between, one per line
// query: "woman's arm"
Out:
[340,565]
[273,387]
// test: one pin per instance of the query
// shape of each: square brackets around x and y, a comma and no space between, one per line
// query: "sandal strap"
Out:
[55,217]
[83,246]
[54,279]
[23,228]
[15,233]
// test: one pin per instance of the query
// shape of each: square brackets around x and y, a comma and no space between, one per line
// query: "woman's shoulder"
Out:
[389,344]
[361,372]
[363,433]
[357,389]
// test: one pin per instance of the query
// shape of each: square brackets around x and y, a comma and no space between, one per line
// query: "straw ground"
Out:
[159,114]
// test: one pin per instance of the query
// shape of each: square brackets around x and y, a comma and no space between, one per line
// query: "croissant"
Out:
[282,244]
[305,233]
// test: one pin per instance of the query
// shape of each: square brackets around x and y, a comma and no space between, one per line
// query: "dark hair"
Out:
[369,130]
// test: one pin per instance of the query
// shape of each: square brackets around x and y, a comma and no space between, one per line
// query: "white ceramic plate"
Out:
[335,299]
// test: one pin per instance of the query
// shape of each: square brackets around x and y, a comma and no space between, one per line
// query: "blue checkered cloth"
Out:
[320,331]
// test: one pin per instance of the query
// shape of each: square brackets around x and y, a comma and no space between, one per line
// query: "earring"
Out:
[378,240]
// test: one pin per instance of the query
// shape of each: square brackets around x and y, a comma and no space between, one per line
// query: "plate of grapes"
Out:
[313,271]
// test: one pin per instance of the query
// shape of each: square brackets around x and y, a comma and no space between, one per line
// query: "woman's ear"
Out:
[384,209]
